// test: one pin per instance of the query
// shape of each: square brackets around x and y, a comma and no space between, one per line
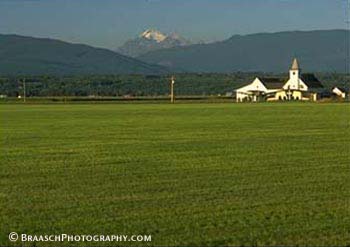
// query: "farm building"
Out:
[297,87]
[339,92]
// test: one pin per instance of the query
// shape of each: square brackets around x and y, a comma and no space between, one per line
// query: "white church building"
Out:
[297,87]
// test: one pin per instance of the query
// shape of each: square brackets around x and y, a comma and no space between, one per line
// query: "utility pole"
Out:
[24,90]
[172,97]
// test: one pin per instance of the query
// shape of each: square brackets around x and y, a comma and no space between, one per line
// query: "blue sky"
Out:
[109,23]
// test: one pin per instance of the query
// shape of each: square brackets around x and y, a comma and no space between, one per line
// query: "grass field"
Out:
[187,174]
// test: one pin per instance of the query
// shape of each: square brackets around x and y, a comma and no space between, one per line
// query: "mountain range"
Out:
[151,40]
[318,51]
[27,55]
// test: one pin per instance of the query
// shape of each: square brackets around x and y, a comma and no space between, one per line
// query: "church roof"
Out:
[295,65]
[311,81]
[273,82]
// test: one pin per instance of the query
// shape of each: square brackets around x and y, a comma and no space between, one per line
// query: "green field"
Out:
[187,174]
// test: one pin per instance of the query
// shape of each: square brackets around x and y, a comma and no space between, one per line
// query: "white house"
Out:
[297,87]
[259,89]
[340,92]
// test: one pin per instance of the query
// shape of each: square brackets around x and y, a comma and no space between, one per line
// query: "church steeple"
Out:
[294,71]
[295,65]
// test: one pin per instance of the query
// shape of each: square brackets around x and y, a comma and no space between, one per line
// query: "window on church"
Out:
[293,73]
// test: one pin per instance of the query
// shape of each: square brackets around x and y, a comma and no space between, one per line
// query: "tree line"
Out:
[141,85]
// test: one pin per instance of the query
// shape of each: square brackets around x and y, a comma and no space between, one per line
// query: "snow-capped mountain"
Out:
[153,35]
[151,40]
